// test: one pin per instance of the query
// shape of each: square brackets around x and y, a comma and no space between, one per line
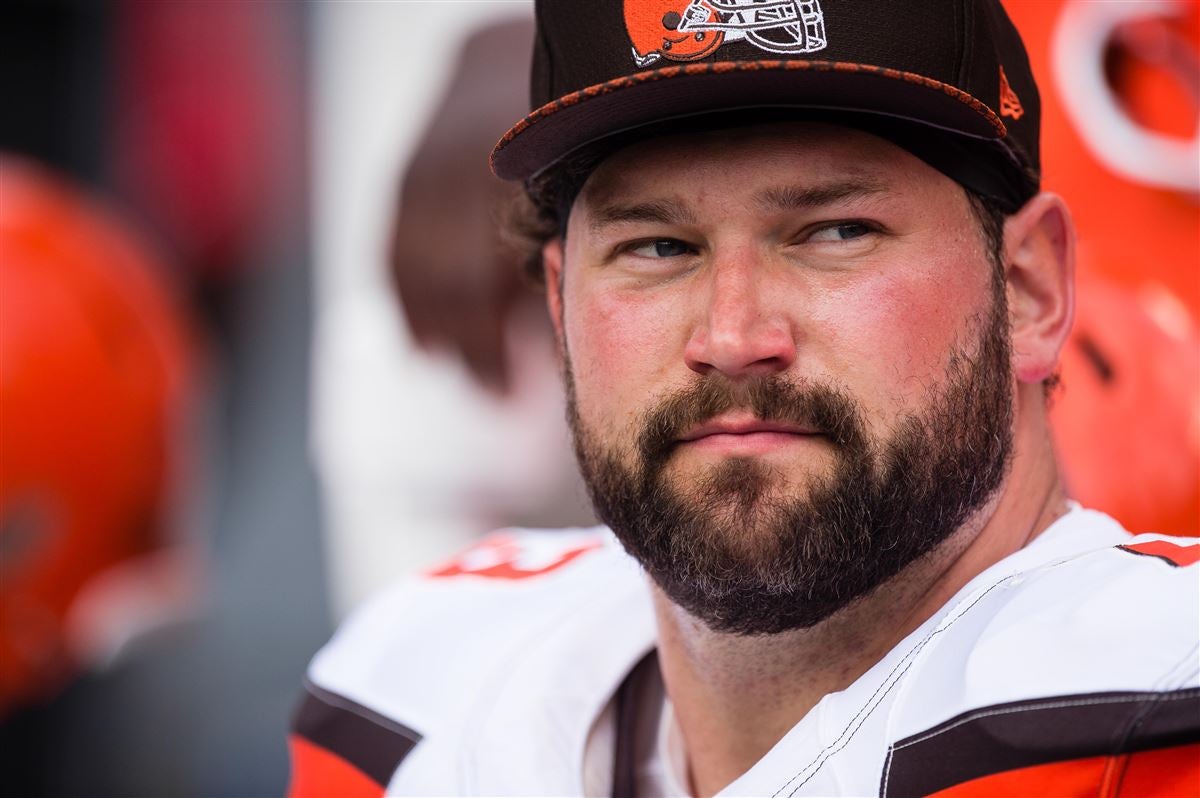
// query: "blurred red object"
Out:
[96,369]
[207,141]
[1120,87]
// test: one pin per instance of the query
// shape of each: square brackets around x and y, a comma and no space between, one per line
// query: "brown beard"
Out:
[747,562]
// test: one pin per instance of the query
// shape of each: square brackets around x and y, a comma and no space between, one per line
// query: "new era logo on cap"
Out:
[1010,103]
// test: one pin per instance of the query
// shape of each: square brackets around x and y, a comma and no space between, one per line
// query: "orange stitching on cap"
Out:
[723,67]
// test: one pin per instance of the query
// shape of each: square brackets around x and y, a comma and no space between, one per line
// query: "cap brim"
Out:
[679,92]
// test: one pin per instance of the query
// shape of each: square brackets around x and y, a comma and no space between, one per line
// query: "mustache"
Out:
[825,408]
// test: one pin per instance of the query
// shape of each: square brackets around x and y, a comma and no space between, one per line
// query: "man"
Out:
[809,303]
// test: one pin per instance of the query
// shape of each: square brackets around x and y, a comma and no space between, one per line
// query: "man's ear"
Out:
[552,269]
[1039,247]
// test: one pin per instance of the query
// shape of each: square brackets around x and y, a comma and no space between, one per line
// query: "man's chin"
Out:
[742,508]
[749,484]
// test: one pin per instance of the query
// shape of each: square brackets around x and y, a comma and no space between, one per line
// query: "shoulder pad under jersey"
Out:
[415,658]
[1055,669]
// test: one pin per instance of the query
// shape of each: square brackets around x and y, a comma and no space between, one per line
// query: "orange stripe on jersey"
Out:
[1167,771]
[320,773]
[1180,554]
[1076,777]
[1163,772]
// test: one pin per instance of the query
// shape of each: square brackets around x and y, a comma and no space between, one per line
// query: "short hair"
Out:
[539,213]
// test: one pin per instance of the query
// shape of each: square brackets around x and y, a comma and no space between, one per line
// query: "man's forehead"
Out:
[806,158]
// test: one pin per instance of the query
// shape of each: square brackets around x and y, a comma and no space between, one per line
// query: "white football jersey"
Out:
[1072,664]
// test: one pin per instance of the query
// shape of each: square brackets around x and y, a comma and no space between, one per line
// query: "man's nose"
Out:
[743,331]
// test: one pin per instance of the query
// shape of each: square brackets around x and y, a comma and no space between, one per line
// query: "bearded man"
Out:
[809,301]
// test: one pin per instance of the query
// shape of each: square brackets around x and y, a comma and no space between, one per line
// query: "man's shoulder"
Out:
[1143,587]
[1122,614]
[1086,569]
[1086,654]
[458,618]
[416,658]
[465,610]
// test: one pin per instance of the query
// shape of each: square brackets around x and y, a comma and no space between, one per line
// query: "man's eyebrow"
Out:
[666,211]
[791,198]
[671,211]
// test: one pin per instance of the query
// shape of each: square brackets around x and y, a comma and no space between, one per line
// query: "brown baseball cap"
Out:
[951,76]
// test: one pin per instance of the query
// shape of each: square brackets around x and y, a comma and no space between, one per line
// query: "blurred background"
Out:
[262,351]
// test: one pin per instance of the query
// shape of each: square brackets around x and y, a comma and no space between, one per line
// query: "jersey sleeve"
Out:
[340,747]
[409,663]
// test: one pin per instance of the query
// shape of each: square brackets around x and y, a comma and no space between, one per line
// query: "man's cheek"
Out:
[622,333]
[907,328]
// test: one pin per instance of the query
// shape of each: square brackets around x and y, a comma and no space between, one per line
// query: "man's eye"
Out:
[661,248]
[844,231]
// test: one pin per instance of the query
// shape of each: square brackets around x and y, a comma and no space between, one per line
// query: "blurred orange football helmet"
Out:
[1127,422]
[1119,137]
[95,364]
[676,32]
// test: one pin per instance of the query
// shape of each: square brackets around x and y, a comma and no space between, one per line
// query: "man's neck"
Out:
[736,696]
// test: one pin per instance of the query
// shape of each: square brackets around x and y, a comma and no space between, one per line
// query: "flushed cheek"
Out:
[890,337]
[621,351]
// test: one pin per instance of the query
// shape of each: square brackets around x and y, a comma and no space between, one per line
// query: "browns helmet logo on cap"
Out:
[661,30]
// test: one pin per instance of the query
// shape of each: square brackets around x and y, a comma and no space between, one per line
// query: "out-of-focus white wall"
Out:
[415,460]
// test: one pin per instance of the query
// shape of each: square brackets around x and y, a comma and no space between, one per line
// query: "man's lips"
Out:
[745,435]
